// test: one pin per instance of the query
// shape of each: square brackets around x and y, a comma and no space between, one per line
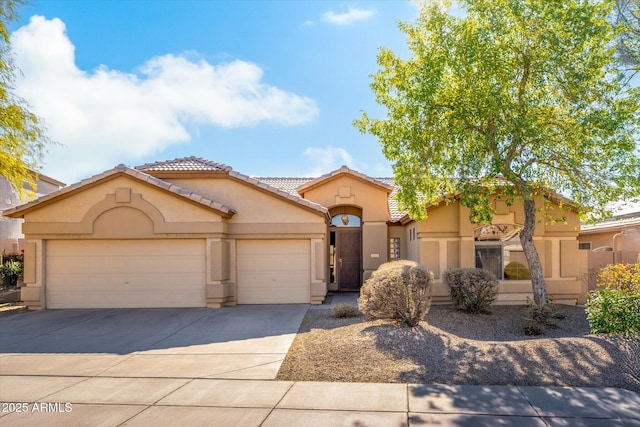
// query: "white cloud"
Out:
[105,117]
[327,159]
[350,16]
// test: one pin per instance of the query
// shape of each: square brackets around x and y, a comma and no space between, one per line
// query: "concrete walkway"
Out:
[114,401]
[216,368]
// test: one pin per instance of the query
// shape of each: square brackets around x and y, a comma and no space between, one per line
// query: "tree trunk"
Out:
[535,266]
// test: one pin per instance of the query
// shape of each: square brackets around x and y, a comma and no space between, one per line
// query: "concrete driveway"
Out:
[242,342]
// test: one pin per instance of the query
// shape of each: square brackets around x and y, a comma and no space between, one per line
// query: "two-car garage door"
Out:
[170,273]
[125,273]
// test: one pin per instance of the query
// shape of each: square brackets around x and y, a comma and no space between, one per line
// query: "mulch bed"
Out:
[453,347]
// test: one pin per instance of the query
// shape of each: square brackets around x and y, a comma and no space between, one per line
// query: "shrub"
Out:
[397,290]
[345,310]
[516,271]
[472,289]
[614,307]
[11,272]
[624,277]
[613,311]
[537,318]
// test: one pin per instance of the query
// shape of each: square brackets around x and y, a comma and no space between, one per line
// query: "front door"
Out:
[349,259]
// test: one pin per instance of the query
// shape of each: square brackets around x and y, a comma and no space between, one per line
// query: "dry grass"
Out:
[454,347]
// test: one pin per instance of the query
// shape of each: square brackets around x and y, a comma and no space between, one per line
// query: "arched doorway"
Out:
[345,248]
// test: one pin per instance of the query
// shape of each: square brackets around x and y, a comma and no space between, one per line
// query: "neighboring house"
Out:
[193,233]
[11,235]
[613,241]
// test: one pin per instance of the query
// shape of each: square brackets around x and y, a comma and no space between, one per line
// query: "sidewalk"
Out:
[94,401]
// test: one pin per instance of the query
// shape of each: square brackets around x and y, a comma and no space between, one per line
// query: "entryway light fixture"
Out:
[345,219]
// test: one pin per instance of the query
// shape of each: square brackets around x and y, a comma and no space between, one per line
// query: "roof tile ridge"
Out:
[276,190]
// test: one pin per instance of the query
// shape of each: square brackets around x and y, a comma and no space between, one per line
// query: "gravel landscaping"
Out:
[453,347]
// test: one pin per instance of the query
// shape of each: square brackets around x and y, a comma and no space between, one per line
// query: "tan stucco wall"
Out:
[74,207]
[625,243]
[347,190]
[11,237]
[375,244]
[253,206]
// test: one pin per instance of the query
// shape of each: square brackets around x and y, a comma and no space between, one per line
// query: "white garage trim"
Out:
[273,271]
[125,273]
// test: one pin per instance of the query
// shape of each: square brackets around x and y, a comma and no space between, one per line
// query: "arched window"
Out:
[345,220]
[498,249]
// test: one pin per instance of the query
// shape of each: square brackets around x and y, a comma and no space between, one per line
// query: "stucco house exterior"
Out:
[615,240]
[11,237]
[191,232]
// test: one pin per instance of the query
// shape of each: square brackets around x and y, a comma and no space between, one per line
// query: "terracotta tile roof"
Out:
[342,171]
[184,164]
[292,184]
[395,213]
[225,211]
[612,224]
[279,191]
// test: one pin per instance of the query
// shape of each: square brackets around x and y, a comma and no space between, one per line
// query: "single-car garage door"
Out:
[273,271]
[125,273]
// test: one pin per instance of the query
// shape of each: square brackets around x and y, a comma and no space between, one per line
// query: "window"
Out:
[584,246]
[498,249]
[412,234]
[345,220]
[394,248]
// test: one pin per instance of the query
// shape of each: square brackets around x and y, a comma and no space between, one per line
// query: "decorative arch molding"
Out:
[135,201]
[117,215]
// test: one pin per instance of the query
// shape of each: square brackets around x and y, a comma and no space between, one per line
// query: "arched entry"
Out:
[345,248]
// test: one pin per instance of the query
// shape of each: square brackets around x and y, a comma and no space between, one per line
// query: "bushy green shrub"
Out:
[397,290]
[345,310]
[516,271]
[11,272]
[472,289]
[613,311]
[614,307]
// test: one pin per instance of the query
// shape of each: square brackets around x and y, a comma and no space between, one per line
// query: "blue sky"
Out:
[270,88]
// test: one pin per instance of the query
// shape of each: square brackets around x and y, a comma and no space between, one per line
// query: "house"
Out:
[190,232]
[11,236]
[612,241]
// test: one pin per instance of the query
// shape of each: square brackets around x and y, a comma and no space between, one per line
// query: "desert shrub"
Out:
[345,310]
[613,311]
[537,318]
[614,307]
[624,277]
[516,271]
[472,289]
[11,272]
[397,290]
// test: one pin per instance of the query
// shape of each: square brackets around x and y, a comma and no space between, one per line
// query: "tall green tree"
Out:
[519,96]
[22,133]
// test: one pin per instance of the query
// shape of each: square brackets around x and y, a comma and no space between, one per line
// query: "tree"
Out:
[517,96]
[22,134]
[626,17]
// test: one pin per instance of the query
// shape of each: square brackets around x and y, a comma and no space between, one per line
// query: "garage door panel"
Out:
[273,271]
[125,273]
